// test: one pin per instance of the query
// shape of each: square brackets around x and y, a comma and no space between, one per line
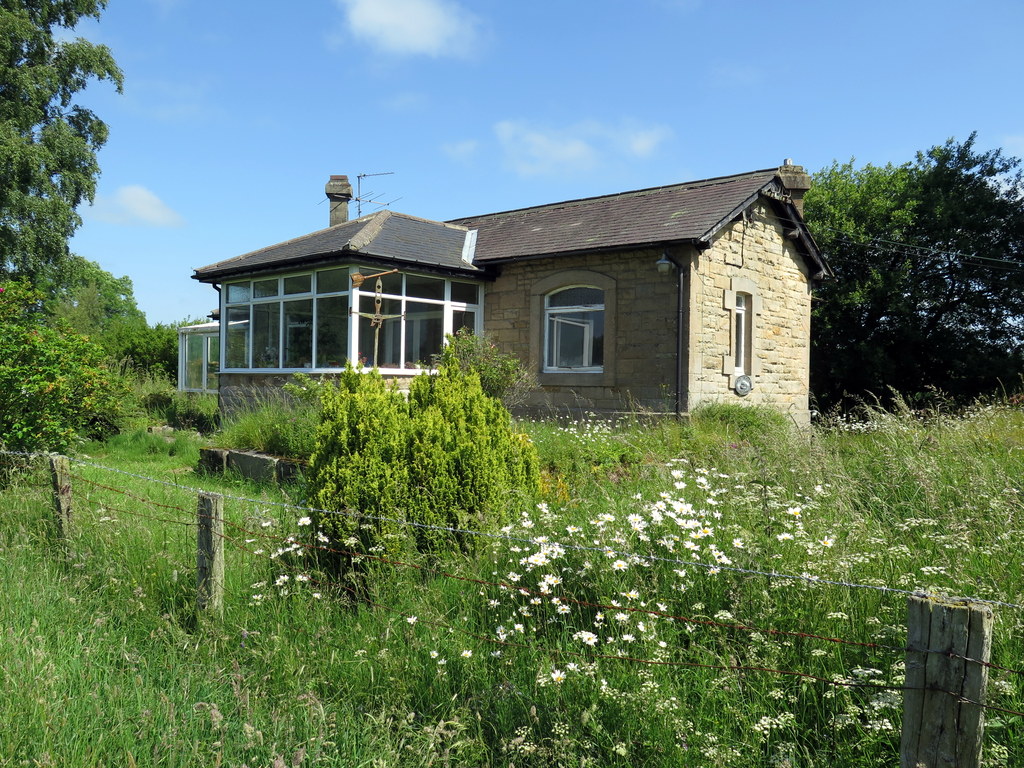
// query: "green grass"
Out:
[274,425]
[104,660]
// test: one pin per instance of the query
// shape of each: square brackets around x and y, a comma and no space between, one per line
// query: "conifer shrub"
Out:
[396,474]
[502,375]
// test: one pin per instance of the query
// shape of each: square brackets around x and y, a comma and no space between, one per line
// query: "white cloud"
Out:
[533,151]
[134,205]
[644,142]
[461,150]
[413,27]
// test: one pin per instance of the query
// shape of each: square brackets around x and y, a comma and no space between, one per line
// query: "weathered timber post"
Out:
[210,554]
[60,476]
[948,647]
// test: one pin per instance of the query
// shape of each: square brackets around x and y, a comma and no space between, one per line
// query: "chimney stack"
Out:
[797,181]
[339,192]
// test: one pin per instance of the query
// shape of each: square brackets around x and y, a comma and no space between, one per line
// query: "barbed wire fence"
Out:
[946,656]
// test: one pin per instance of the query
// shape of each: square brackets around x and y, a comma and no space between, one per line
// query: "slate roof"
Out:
[384,235]
[689,212]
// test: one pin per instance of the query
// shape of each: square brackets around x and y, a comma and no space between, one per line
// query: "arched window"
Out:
[574,330]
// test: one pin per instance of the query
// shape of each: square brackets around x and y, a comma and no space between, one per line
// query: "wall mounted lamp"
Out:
[664,264]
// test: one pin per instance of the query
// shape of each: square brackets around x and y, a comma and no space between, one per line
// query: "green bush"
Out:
[502,375]
[446,457]
[54,383]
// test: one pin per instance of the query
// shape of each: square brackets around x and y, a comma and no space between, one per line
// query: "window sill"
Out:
[592,378]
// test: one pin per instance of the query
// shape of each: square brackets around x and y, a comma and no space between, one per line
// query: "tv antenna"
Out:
[371,197]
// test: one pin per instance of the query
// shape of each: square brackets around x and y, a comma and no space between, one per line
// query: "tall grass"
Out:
[626,620]
[275,424]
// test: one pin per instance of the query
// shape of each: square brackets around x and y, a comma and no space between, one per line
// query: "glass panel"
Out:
[332,281]
[568,337]
[597,342]
[194,361]
[266,335]
[424,333]
[238,292]
[298,284]
[575,340]
[463,319]
[298,334]
[577,297]
[263,288]
[467,292]
[390,283]
[238,338]
[424,287]
[332,332]
[212,361]
[380,347]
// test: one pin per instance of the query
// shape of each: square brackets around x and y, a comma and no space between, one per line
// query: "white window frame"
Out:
[207,332]
[354,295]
[742,302]
[742,336]
[552,320]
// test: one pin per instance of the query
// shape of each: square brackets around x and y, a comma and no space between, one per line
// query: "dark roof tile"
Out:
[677,213]
[383,235]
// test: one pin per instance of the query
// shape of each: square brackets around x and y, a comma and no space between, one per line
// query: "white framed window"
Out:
[742,334]
[320,319]
[574,330]
[198,357]
[743,304]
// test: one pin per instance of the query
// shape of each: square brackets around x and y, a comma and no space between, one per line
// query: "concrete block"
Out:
[253,466]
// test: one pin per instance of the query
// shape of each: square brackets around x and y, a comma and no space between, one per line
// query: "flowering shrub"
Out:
[54,384]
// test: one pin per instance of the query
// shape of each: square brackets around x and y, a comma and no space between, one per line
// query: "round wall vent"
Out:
[743,385]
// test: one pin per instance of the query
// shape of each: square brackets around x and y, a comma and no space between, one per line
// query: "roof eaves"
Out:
[649,244]
[707,236]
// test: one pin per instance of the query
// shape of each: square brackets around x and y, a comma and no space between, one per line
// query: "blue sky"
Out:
[235,114]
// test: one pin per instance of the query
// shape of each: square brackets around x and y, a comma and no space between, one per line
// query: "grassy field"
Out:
[673,598]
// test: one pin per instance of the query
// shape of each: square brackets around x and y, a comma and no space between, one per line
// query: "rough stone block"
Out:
[254,466]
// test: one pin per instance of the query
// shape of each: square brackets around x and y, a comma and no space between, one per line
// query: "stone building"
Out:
[656,299]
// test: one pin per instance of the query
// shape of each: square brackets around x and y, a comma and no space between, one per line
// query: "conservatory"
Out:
[317,320]
[198,357]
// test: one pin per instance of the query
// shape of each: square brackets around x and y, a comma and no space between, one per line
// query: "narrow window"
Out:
[743,333]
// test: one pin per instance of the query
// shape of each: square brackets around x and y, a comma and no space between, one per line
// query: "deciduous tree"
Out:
[929,263]
[48,143]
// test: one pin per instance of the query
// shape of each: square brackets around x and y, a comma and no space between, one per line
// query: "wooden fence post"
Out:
[60,477]
[210,554]
[948,645]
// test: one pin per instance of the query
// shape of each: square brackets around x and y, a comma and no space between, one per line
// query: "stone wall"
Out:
[751,254]
[640,328]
